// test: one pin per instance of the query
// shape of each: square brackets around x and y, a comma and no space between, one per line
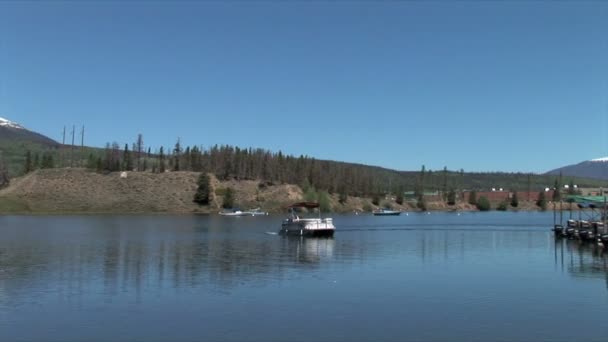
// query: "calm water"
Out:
[443,276]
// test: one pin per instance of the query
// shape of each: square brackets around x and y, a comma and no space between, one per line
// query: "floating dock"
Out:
[590,226]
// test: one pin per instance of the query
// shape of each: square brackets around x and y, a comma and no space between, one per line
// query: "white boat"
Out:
[234,212]
[386,212]
[295,225]
[256,212]
[238,212]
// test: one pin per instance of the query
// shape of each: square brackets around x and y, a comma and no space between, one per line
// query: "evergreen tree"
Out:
[483,204]
[177,152]
[47,161]
[161,161]
[36,163]
[4,179]
[99,165]
[28,167]
[421,203]
[342,198]
[399,197]
[444,186]
[202,193]
[514,200]
[542,202]
[127,162]
[502,206]
[556,192]
[451,198]
[323,200]
[473,197]
[571,189]
[91,162]
[228,201]
[376,199]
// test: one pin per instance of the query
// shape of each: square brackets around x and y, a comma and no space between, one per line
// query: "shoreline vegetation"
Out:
[82,191]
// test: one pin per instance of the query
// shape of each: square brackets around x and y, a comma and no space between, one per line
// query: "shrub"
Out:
[451,197]
[483,204]
[502,206]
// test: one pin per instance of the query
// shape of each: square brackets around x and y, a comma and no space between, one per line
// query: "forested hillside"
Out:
[230,162]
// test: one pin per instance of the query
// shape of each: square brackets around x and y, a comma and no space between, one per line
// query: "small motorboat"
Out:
[559,230]
[386,212]
[233,212]
[256,212]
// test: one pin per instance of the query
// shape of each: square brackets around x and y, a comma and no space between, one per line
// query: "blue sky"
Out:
[483,86]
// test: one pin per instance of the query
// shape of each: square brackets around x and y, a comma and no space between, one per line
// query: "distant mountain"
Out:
[12,132]
[595,168]
[16,140]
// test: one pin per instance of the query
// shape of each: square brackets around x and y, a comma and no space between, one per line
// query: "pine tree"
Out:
[228,201]
[177,151]
[473,197]
[91,162]
[541,202]
[161,160]
[556,192]
[28,162]
[4,179]
[514,200]
[47,161]
[399,197]
[421,203]
[571,189]
[127,162]
[451,198]
[36,163]
[99,165]
[444,187]
[202,193]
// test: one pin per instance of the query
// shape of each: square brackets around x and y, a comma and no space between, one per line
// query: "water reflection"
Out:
[582,259]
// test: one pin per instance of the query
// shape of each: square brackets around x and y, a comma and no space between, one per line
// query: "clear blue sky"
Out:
[485,86]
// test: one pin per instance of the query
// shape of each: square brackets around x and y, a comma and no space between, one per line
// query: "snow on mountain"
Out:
[594,168]
[7,123]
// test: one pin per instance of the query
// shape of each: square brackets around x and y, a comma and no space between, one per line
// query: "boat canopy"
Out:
[308,205]
[587,200]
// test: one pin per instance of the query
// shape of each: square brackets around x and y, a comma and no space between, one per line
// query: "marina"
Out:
[587,224]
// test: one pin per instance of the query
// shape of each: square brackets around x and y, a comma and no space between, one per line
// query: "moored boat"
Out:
[234,212]
[559,230]
[295,225]
[255,212]
[386,212]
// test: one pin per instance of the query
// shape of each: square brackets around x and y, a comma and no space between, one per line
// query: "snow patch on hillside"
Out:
[7,123]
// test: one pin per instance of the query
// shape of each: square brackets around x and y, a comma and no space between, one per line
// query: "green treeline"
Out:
[346,179]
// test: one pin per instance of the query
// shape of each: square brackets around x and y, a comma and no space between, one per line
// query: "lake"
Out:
[437,277]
